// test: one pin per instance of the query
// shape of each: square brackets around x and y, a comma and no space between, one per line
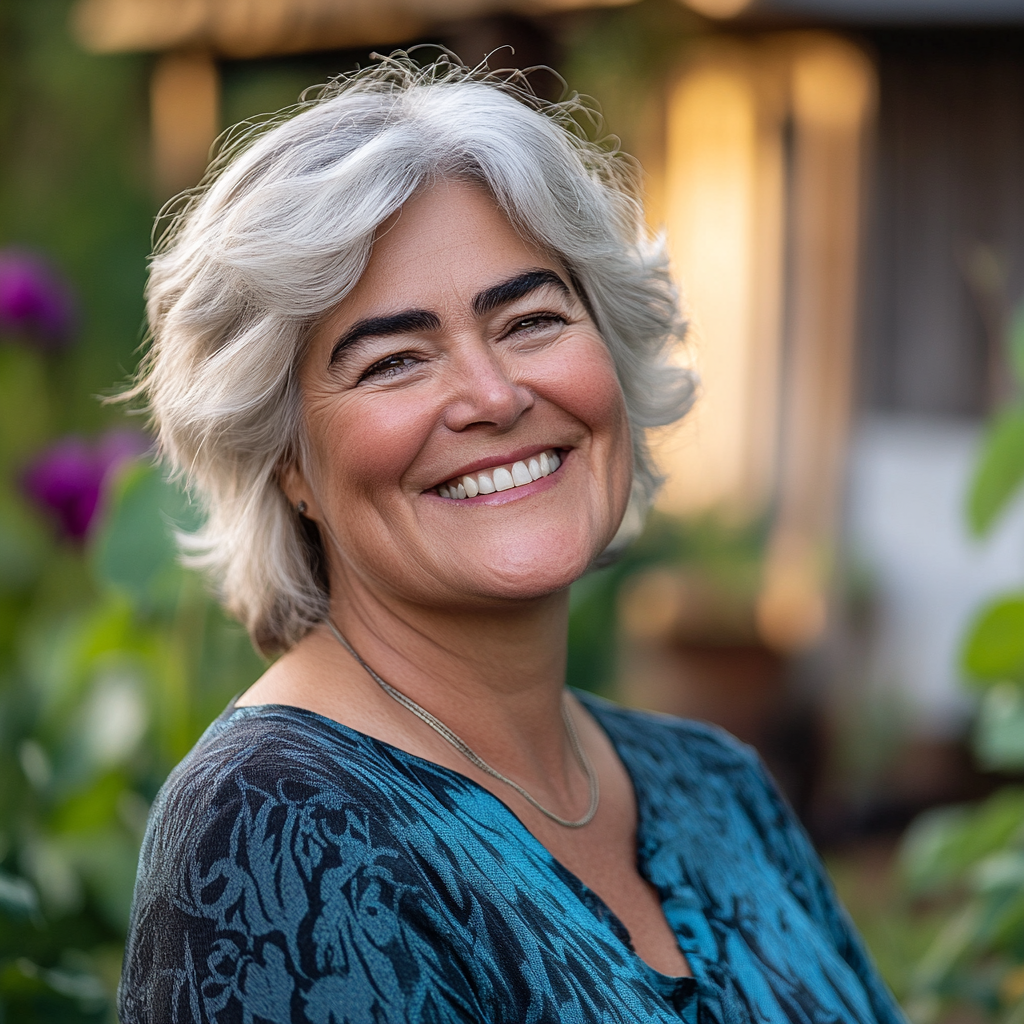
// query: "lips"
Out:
[501,477]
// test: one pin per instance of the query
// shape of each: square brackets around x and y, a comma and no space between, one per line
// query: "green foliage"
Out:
[943,845]
[896,927]
[999,472]
[128,553]
[999,734]
[99,700]
[112,658]
[971,859]
[74,185]
[975,857]
[994,647]
[1015,344]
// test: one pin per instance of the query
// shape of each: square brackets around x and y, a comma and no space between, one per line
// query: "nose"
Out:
[484,391]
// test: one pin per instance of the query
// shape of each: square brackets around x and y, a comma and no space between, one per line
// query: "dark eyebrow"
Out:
[515,288]
[409,321]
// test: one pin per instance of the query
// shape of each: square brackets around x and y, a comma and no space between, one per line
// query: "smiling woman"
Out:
[406,344]
[493,362]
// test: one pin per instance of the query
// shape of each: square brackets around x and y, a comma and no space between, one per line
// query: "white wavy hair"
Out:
[278,234]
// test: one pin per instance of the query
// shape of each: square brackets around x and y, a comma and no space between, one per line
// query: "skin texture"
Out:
[463,605]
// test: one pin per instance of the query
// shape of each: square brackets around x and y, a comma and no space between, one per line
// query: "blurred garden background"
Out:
[835,571]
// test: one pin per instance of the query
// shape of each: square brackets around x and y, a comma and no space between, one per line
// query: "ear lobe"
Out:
[296,489]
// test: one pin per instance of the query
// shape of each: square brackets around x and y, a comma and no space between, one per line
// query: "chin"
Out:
[538,574]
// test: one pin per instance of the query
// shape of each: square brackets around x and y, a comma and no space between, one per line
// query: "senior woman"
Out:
[406,344]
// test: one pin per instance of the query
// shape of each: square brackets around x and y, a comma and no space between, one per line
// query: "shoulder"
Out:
[280,852]
[258,746]
[274,805]
[276,772]
[248,761]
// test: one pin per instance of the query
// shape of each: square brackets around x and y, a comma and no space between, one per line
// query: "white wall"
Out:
[908,478]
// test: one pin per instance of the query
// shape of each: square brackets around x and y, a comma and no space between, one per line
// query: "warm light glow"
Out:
[711,188]
[832,85]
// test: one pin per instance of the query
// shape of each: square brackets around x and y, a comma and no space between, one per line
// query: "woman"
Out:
[406,345]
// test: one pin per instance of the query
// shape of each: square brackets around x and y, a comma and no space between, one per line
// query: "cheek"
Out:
[584,383]
[364,449]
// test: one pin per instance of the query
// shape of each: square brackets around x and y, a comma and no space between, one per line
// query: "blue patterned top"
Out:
[295,870]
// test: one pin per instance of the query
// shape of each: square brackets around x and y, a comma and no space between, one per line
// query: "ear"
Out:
[296,488]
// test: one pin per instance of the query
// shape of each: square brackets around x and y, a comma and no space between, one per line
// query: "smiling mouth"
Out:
[501,478]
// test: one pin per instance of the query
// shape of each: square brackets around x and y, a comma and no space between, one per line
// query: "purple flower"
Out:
[68,478]
[34,302]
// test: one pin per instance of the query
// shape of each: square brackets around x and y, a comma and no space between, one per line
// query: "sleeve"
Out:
[259,908]
[790,849]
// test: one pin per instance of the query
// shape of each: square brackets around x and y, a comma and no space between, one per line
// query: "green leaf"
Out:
[999,733]
[17,896]
[999,471]
[1002,870]
[994,649]
[942,845]
[928,853]
[135,550]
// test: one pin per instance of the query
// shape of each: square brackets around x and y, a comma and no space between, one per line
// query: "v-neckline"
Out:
[678,990]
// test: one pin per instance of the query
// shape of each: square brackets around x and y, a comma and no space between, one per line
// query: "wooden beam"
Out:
[240,28]
[833,92]
[185,118]
[260,28]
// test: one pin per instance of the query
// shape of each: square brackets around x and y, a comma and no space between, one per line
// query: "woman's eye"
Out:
[536,321]
[390,366]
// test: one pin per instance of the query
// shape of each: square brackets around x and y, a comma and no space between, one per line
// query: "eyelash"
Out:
[535,319]
[381,369]
[401,359]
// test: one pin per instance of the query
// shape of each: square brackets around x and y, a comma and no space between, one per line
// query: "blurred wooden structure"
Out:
[242,29]
[941,265]
[190,36]
[762,184]
[834,251]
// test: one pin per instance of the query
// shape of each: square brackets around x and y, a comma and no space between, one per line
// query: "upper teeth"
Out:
[501,478]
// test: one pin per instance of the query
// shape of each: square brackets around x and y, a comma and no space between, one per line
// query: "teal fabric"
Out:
[295,870]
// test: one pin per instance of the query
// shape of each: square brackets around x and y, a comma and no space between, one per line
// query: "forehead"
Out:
[446,244]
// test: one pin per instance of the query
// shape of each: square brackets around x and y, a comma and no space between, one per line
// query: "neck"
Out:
[494,676]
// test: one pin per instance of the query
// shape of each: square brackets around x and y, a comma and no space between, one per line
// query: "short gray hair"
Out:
[280,231]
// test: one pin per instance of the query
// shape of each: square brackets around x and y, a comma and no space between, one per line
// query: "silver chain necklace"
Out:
[473,757]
